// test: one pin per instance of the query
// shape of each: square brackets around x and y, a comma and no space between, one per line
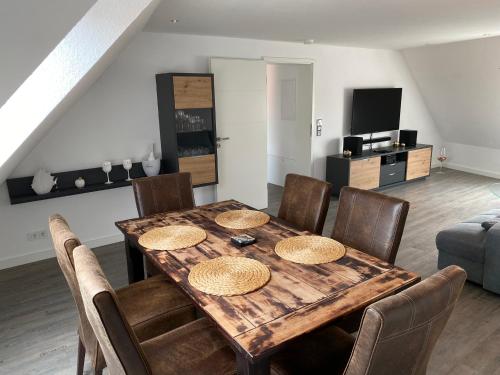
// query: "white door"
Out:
[240,96]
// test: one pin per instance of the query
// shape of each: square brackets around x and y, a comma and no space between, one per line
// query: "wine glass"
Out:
[442,157]
[106,167]
[127,165]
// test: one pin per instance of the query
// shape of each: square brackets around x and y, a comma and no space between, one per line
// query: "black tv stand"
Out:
[378,168]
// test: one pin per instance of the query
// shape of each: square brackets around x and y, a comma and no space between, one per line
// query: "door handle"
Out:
[392,174]
[218,139]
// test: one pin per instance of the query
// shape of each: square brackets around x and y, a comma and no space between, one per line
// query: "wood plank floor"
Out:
[38,318]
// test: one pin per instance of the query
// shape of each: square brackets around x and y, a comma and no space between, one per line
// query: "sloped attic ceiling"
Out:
[74,64]
[29,30]
[460,83]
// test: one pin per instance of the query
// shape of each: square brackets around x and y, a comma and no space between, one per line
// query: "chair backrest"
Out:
[166,192]
[397,334]
[118,341]
[65,243]
[305,202]
[370,222]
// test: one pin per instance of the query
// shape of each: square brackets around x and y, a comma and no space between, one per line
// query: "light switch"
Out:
[319,127]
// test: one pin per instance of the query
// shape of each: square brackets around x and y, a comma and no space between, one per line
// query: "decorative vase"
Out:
[151,167]
[43,182]
[80,183]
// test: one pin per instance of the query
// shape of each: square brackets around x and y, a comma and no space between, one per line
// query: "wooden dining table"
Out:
[297,299]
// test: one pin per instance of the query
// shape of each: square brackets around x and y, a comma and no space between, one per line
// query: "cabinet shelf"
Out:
[195,131]
[186,109]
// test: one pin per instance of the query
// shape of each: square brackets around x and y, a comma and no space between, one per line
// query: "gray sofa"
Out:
[473,248]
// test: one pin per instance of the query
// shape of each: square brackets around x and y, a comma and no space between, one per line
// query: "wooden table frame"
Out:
[298,299]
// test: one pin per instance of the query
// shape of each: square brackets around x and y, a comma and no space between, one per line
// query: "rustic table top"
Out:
[297,299]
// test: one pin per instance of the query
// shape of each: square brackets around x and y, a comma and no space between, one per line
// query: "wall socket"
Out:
[37,235]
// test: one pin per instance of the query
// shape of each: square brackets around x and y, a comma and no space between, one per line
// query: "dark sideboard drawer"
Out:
[392,173]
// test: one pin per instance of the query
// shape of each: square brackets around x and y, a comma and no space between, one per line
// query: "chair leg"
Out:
[81,357]
[99,363]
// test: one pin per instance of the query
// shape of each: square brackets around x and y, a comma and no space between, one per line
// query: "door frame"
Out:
[302,61]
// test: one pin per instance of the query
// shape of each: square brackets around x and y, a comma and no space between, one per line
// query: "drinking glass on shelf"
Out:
[106,167]
[442,157]
[127,165]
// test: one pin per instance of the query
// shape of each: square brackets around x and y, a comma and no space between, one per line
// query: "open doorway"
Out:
[264,116]
[289,120]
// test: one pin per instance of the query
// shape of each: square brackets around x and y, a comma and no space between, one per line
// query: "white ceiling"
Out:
[394,24]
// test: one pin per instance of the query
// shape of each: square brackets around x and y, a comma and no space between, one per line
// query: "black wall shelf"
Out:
[20,190]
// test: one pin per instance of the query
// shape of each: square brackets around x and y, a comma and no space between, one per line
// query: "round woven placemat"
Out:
[229,276]
[310,249]
[242,219]
[172,237]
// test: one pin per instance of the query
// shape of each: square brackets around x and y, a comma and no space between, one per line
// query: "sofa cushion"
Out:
[490,223]
[495,212]
[481,218]
[465,240]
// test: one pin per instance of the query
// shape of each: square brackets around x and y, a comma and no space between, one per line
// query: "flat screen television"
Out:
[375,110]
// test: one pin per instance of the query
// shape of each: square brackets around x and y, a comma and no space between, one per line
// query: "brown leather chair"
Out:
[195,348]
[152,306]
[163,193]
[305,202]
[397,334]
[370,222]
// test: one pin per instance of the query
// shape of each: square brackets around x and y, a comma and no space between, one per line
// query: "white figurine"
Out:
[80,183]
[43,182]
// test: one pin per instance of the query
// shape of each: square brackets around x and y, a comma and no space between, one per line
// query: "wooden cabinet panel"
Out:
[365,173]
[419,163]
[192,92]
[202,168]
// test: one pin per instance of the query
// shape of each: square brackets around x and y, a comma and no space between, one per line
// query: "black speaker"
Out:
[354,144]
[408,137]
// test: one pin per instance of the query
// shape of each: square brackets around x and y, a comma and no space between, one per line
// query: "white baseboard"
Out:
[481,172]
[49,253]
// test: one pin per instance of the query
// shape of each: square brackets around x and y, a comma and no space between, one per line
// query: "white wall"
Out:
[117,118]
[478,160]
[289,124]
[460,83]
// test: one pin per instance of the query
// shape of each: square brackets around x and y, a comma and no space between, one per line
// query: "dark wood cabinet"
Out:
[186,110]
[373,170]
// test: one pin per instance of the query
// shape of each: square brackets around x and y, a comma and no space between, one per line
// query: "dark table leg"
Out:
[245,367]
[135,262]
